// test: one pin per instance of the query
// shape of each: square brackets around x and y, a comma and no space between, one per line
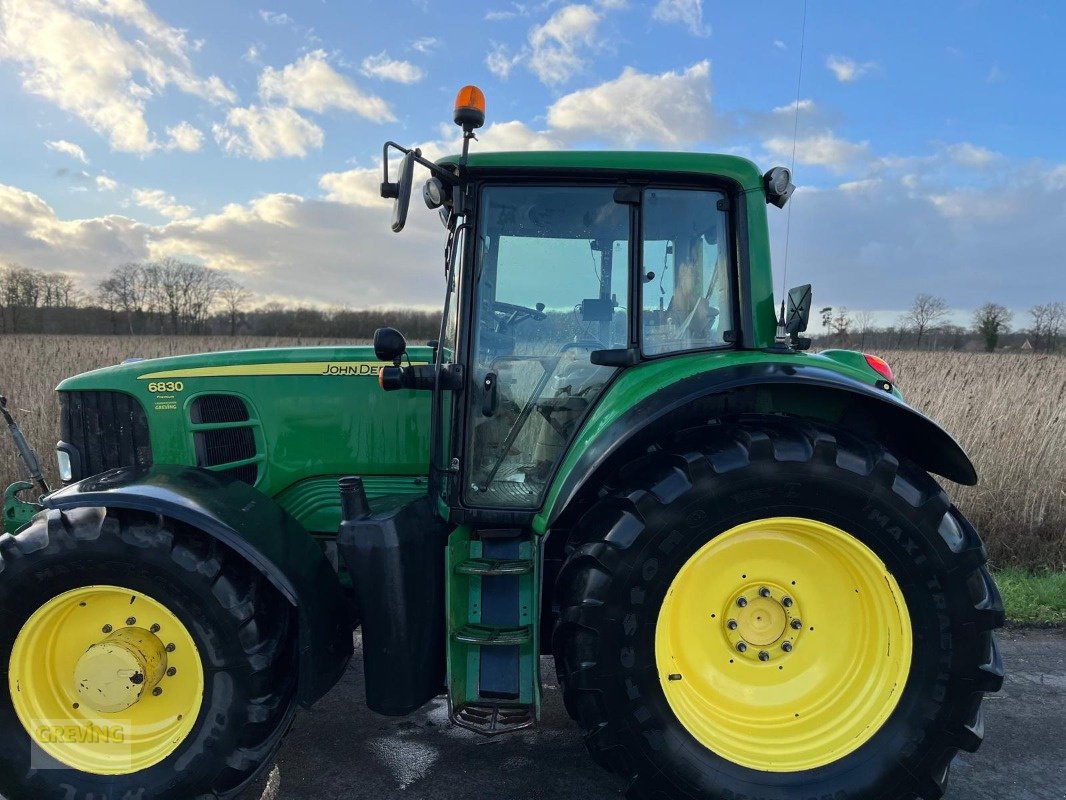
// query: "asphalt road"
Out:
[340,750]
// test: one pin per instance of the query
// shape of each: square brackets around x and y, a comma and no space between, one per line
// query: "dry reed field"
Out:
[1007,410]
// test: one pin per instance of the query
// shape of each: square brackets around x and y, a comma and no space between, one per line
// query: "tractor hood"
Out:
[288,421]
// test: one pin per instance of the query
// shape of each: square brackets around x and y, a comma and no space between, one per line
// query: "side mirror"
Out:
[403,192]
[799,311]
[389,345]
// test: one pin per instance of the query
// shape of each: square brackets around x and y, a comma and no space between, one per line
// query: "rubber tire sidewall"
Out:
[32,580]
[857,504]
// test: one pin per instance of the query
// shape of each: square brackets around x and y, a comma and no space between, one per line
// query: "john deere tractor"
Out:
[617,452]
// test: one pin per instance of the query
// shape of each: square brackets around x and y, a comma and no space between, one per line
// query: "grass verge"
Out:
[1033,598]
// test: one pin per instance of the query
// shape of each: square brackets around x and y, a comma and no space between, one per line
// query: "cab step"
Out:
[488,566]
[491,719]
[487,636]
[493,600]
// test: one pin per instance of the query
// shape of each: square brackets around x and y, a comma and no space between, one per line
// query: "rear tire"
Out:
[627,550]
[242,629]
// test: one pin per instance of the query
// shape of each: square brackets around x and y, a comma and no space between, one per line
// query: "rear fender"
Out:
[254,526]
[792,388]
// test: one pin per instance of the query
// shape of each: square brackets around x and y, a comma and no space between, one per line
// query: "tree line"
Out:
[176,298]
[926,326]
[173,297]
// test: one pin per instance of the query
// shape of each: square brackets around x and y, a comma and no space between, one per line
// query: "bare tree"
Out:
[1049,320]
[840,323]
[20,296]
[864,325]
[925,312]
[234,298]
[991,320]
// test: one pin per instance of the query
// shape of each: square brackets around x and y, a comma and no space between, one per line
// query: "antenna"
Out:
[792,166]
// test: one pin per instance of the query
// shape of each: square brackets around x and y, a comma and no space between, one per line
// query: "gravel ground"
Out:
[342,750]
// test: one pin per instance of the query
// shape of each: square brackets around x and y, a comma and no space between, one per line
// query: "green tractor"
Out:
[617,452]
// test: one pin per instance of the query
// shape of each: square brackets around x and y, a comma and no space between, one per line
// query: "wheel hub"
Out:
[760,621]
[114,674]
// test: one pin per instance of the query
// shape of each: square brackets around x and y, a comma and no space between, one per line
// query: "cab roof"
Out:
[739,169]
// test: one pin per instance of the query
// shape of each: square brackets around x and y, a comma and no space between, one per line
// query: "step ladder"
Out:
[493,604]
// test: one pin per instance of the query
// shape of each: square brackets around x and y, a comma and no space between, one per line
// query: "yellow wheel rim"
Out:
[783,644]
[106,680]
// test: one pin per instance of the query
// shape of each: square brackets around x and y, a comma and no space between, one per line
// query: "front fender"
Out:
[801,389]
[254,526]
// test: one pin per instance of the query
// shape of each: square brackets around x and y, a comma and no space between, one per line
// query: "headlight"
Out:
[66,469]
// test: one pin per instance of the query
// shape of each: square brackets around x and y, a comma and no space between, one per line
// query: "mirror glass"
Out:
[799,309]
[403,196]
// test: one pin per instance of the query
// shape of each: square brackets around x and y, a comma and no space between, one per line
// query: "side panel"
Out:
[314,411]
[693,389]
[255,527]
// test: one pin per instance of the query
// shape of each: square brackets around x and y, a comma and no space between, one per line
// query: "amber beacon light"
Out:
[470,108]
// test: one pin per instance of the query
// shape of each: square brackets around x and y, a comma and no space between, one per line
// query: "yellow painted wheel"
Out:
[783,644]
[106,680]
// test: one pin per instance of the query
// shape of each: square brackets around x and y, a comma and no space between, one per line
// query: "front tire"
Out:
[629,616]
[155,739]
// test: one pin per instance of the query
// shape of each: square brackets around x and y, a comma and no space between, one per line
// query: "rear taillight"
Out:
[880,366]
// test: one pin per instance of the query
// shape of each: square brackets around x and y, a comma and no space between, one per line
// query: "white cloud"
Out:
[265,132]
[847,70]
[670,109]
[165,204]
[971,155]
[425,44]
[75,58]
[684,12]
[780,45]
[31,234]
[274,17]
[357,187]
[500,61]
[312,84]
[382,67]
[803,105]
[184,137]
[105,184]
[67,148]
[821,149]
[251,55]
[557,45]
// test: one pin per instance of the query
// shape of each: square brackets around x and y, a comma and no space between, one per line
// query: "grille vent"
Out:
[218,408]
[223,448]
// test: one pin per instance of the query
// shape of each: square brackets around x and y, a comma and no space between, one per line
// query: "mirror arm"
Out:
[391,189]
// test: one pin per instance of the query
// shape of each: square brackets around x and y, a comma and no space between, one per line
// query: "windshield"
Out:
[551,286]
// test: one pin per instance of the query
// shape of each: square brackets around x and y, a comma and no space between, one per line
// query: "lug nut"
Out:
[797,624]
[131,621]
[156,692]
[764,592]
[732,624]
[741,647]
[154,628]
[764,656]
[742,601]
[107,629]
[170,647]
[173,671]
[787,647]
[786,602]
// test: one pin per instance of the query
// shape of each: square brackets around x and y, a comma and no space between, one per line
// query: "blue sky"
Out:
[247,135]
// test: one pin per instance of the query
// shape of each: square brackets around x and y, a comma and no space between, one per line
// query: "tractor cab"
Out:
[562,269]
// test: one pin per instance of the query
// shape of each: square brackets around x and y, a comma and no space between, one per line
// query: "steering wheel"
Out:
[515,313]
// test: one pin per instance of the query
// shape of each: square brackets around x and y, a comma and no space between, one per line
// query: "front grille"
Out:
[108,430]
